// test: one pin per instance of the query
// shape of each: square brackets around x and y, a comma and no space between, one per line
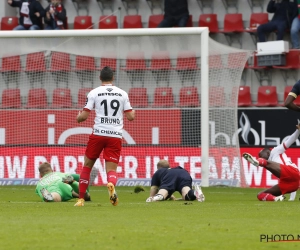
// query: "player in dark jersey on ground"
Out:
[56,186]
[289,101]
[166,181]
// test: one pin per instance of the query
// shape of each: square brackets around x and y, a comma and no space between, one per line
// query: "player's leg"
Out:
[273,167]
[111,154]
[64,190]
[272,194]
[93,150]
[161,195]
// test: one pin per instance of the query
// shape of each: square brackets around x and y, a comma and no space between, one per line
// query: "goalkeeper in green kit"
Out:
[56,186]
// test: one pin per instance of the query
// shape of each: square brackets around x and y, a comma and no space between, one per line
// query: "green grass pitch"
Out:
[230,218]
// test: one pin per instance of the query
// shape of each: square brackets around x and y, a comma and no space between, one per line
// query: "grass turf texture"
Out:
[230,218]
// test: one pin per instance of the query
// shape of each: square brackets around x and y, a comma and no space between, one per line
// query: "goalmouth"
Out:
[206,122]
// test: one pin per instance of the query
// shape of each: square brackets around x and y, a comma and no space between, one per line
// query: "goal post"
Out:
[190,116]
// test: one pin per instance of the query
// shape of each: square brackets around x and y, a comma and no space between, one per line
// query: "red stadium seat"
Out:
[292,60]
[135,61]
[257,19]
[161,61]
[244,97]
[161,66]
[138,97]
[9,22]
[210,21]
[108,22]
[35,67]
[215,62]
[186,60]
[189,97]
[163,97]
[233,23]
[154,20]
[83,22]
[287,90]
[11,64]
[60,62]
[237,60]
[11,98]
[132,22]
[11,69]
[35,62]
[62,98]
[267,96]
[216,96]
[37,98]
[85,63]
[110,60]
[82,94]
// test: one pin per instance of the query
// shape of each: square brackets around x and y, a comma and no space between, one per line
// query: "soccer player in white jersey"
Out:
[277,162]
[110,102]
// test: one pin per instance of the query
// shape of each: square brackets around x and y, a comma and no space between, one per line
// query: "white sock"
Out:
[293,196]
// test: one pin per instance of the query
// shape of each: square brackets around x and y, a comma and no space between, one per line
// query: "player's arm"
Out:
[289,101]
[292,138]
[130,114]
[82,115]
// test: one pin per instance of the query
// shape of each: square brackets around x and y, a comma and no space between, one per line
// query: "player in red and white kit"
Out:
[277,162]
[110,102]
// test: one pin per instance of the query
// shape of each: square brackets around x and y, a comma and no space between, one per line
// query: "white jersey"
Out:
[109,102]
[278,155]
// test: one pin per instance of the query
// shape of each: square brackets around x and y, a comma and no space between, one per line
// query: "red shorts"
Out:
[289,179]
[110,146]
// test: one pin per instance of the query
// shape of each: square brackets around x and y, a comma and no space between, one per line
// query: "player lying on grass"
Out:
[166,181]
[56,186]
[277,162]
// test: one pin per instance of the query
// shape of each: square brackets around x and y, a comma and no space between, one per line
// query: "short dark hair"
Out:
[106,74]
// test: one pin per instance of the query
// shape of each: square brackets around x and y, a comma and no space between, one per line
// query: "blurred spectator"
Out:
[31,14]
[176,13]
[296,26]
[284,12]
[55,15]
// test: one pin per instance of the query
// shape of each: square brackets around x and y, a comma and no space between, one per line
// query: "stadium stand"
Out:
[61,98]
[132,22]
[135,66]
[82,94]
[138,97]
[37,98]
[108,22]
[85,68]
[163,97]
[244,97]
[233,28]
[210,21]
[267,96]
[154,20]
[60,67]
[35,67]
[9,22]
[83,22]
[189,97]
[11,69]
[11,98]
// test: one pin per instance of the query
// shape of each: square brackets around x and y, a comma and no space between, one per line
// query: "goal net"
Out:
[184,87]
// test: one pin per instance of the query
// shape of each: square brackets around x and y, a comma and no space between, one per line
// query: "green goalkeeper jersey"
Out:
[53,183]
